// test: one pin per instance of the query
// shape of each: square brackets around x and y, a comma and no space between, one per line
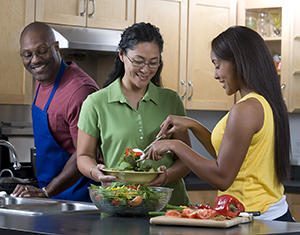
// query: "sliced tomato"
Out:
[173,213]
[98,198]
[136,201]
[186,211]
[137,154]
[128,151]
[192,214]
[205,213]
[115,202]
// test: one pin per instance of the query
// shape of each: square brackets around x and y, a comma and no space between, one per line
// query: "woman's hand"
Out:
[161,179]
[159,149]
[174,124]
[99,176]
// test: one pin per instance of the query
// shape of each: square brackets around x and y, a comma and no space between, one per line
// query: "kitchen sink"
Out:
[40,206]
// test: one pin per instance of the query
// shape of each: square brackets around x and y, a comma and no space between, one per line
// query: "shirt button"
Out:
[141,137]
[139,115]
[140,123]
[140,130]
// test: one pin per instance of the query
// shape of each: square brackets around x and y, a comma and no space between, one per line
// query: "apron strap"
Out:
[57,81]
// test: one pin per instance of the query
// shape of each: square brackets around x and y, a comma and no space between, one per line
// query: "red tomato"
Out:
[115,202]
[186,211]
[136,201]
[136,154]
[205,213]
[98,198]
[192,214]
[173,213]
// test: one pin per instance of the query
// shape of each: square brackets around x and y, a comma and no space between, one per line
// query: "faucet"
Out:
[17,164]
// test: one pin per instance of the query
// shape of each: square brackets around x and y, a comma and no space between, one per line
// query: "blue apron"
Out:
[50,157]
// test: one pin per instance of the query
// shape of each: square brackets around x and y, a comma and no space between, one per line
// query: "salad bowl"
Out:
[129,200]
[130,177]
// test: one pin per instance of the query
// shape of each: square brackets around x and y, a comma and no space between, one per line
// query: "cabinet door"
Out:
[110,14]
[293,98]
[206,20]
[68,12]
[16,84]
[279,45]
[171,18]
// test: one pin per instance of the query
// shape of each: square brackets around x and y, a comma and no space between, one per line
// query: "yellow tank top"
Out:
[255,185]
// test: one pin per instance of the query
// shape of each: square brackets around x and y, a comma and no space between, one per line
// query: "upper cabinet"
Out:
[170,16]
[206,20]
[107,14]
[278,23]
[16,84]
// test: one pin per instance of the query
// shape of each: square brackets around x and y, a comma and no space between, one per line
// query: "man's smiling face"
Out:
[45,61]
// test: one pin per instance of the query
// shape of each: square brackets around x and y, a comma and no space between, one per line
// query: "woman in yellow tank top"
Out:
[251,144]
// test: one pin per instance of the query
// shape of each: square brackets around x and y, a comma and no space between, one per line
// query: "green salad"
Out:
[122,199]
[136,156]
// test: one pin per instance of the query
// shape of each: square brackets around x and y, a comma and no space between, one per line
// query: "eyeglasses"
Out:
[27,55]
[141,64]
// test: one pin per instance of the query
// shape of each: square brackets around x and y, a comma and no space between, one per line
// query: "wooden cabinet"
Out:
[203,196]
[170,16]
[16,84]
[107,14]
[206,20]
[294,204]
[283,44]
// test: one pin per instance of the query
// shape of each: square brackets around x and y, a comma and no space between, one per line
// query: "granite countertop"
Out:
[101,223]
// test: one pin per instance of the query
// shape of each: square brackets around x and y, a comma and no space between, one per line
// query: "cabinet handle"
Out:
[282,87]
[92,14]
[192,90]
[84,10]
[183,83]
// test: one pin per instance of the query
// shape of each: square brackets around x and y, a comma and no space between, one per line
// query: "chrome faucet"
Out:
[17,164]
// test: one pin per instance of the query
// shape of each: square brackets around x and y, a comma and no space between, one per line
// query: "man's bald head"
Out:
[41,28]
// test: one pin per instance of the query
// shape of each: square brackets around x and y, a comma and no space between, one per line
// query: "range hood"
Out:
[83,38]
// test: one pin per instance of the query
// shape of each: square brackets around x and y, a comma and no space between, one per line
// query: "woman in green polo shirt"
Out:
[128,111]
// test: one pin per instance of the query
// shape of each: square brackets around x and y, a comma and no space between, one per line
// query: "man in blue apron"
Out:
[60,90]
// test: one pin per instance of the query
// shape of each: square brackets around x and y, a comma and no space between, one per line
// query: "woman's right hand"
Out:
[174,124]
[99,175]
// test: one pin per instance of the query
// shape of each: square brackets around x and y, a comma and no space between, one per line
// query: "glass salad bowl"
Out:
[129,200]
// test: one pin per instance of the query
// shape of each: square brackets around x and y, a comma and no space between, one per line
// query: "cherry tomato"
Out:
[136,201]
[115,202]
[205,213]
[173,213]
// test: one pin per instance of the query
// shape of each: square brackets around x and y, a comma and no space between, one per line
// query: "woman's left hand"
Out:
[160,179]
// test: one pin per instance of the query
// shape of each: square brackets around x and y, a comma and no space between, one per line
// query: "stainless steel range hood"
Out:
[83,38]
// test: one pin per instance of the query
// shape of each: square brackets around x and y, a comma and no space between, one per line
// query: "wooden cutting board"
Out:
[163,220]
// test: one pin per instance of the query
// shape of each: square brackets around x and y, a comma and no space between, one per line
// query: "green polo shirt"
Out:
[106,114]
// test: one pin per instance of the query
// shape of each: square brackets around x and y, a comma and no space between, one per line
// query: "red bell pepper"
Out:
[228,205]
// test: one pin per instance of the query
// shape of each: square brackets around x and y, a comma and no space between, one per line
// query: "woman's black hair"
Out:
[256,71]
[137,33]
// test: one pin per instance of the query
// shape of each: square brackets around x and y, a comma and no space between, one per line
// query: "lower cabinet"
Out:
[293,200]
[203,196]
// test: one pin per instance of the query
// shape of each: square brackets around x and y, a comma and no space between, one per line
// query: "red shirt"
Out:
[64,109]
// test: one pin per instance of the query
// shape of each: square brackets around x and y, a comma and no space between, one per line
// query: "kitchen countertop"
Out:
[101,223]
